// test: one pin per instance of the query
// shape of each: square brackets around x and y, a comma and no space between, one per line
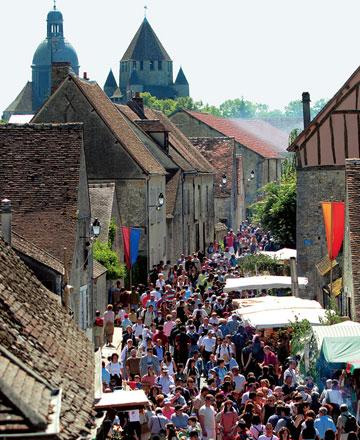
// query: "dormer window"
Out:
[152,65]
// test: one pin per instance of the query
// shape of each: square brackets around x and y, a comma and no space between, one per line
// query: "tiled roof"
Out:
[181,143]
[38,331]
[26,248]
[23,102]
[40,173]
[119,125]
[219,152]
[24,412]
[98,270]
[145,46]
[101,204]
[171,193]
[256,136]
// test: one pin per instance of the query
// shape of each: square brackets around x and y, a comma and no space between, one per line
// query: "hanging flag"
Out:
[134,244]
[334,219]
[126,241]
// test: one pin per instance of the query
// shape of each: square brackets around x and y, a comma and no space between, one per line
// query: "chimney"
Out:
[306,109]
[85,76]
[59,71]
[139,102]
[6,220]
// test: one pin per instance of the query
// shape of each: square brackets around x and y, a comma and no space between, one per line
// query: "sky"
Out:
[267,51]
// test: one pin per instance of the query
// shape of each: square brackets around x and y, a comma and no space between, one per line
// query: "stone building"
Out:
[115,152]
[43,174]
[55,48]
[229,185]
[189,181]
[47,386]
[321,151]
[260,146]
[146,67]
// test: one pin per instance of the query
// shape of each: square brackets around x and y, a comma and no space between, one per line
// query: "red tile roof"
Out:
[258,136]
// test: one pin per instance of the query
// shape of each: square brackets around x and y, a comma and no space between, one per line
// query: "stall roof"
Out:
[346,328]
[262,282]
[282,254]
[123,400]
[282,318]
[254,305]
[341,349]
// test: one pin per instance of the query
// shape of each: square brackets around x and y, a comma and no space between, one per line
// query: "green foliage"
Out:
[112,232]
[276,211]
[259,262]
[332,314]
[109,259]
[300,334]
[231,108]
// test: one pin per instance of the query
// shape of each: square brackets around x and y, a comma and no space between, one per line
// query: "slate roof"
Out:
[110,84]
[171,193]
[181,78]
[134,79]
[219,152]
[257,136]
[119,125]
[145,45]
[23,102]
[38,331]
[40,174]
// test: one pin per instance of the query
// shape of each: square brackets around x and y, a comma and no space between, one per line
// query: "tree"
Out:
[276,210]
[317,107]
[294,109]
[237,108]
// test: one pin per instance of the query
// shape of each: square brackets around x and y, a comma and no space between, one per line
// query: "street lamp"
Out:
[160,203]
[224,179]
[252,176]
[96,228]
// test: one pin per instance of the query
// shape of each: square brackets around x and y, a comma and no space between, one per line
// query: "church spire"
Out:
[110,84]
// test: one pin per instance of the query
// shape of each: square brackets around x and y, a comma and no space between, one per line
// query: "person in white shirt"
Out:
[334,395]
[114,369]
[239,379]
[207,345]
[291,371]
[269,433]
[160,282]
[138,328]
[165,381]
[207,415]
[125,352]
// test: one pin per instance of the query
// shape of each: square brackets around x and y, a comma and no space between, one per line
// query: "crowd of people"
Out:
[207,374]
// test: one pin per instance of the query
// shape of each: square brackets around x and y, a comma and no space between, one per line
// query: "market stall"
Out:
[262,282]
[282,254]
[122,400]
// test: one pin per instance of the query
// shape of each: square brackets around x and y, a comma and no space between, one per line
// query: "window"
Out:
[160,65]
[141,65]
[134,65]
[169,66]
[152,65]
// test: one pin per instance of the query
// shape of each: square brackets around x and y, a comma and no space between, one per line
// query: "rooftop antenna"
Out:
[54,5]
[145,10]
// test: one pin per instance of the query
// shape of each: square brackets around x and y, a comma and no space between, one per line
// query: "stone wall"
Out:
[314,185]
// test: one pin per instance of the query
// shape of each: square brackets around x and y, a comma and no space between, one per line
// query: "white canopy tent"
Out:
[281,254]
[262,282]
[273,311]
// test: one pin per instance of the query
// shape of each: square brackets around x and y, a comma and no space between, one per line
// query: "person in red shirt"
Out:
[270,357]
[145,297]
[98,330]
[160,335]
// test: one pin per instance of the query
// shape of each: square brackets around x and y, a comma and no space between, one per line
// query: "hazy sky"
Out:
[268,51]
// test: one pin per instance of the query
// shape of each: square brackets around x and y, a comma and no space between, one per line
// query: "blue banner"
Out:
[134,244]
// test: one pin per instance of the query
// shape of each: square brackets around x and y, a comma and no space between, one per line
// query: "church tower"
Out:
[53,49]
[147,67]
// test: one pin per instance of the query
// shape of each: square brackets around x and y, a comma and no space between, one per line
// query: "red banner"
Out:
[334,219]
[126,240]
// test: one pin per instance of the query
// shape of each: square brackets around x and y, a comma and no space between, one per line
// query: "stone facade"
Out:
[314,185]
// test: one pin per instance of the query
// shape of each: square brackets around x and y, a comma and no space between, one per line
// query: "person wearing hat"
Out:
[164,381]
[168,410]
[228,420]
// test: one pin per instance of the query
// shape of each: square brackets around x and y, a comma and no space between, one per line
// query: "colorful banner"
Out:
[126,240]
[131,238]
[134,244]
[334,219]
